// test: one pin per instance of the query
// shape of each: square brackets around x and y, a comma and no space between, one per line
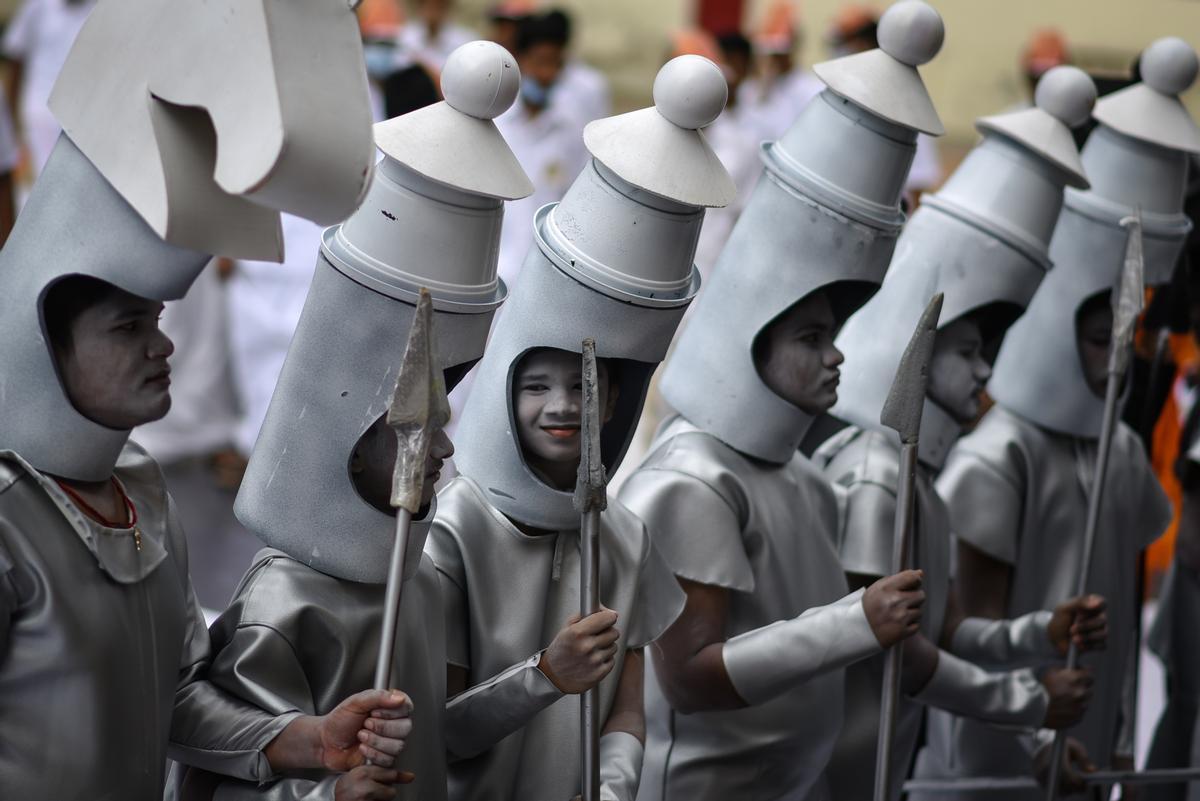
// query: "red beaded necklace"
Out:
[90,511]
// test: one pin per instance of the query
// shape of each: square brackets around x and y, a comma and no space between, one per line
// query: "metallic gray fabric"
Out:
[579,281]
[298,494]
[1038,374]
[100,648]
[865,467]
[621,756]
[1015,698]
[74,222]
[1018,492]
[769,661]
[485,714]
[765,532]
[1002,643]
[825,213]
[512,593]
[295,639]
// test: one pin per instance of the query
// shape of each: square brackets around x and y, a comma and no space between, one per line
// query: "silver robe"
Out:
[1174,639]
[507,594]
[101,645]
[1018,492]
[296,639]
[766,533]
[865,465]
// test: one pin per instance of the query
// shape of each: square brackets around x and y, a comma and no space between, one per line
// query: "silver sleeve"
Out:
[1002,643]
[282,790]
[770,660]
[484,715]
[620,766]
[1013,698]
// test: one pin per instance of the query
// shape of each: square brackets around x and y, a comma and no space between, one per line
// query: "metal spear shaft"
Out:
[1126,307]
[902,412]
[418,410]
[976,784]
[591,498]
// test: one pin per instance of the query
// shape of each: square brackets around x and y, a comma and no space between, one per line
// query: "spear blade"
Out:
[419,408]
[590,488]
[1130,296]
[906,399]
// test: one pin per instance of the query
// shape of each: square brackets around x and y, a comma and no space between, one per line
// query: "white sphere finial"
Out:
[911,32]
[1169,65]
[1066,93]
[690,91]
[481,79]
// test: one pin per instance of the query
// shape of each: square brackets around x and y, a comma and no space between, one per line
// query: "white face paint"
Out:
[959,371]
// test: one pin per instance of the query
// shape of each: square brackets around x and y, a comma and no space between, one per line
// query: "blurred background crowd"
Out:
[580,61]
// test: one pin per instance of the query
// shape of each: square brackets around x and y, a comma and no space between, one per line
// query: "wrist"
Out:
[543,665]
[297,747]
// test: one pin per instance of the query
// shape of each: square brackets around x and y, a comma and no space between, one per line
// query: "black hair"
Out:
[1100,299]
[68,298]
[408,90]
[733,43]
[542,29]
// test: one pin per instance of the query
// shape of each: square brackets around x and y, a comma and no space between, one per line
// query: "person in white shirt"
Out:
[36,43]
[546,137]
[581,87]
[429,37]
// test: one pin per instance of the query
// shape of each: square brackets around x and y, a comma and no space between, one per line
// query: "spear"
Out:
[902,412]
[591,498]
[418,410]
[979,784]
[1127,305]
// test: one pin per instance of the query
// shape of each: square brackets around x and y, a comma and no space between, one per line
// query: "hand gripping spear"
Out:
[1127,305]
[902,412]
[418,410]
[590,500]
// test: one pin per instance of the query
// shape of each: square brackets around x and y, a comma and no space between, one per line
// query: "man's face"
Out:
[374,460]
[796,357]
[548,408]
[504,33]
[433,12]
[542,62]
[959,371]
[1093,333]
[115,370]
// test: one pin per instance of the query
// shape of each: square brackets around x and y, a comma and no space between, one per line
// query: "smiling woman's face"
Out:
[547,408]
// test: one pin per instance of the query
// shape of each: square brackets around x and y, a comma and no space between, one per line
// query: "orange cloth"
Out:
[695,42]
[380,19]
[1047,48]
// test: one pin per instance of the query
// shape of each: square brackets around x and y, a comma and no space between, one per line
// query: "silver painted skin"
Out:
[507,594]
[730,520]
[121,634]
[297,640]
[1033,483]
[108,240]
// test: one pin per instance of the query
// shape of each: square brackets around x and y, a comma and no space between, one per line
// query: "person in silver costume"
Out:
[612,262]
[746,695]
[1017,487]
[986,254]
[304,626]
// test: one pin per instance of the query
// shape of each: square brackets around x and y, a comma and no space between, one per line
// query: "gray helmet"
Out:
[613,261]
[1137,156]
[826,213]
[431,219]
[982,241]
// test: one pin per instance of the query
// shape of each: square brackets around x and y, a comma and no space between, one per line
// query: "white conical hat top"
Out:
[455,142]
[885,81]
[1064,100]
[661,149]
[1150,110]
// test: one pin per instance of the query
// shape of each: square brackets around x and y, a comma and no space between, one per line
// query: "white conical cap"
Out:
[661,149]
[1064,100]
[885,81]
[455,142]
[1150,110]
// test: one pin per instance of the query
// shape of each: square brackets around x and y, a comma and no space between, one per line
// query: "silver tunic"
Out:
[1018,492]
[507,595]
[866,465]
[296,639]
[766,533]
[100,647]
[1175,640]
